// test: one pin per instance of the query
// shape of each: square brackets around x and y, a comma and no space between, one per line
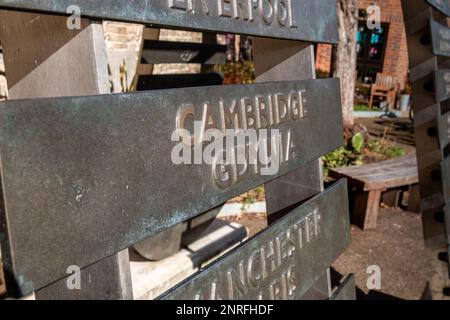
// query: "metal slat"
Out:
[282,262]
[96,174]
[295,20]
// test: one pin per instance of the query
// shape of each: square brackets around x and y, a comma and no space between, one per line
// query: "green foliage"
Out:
[238,72]
[389,150]
[358,152]
[252,196]
[124,78]
[375,146]
[342,157]
[358,142]
[247,202]
[394,152]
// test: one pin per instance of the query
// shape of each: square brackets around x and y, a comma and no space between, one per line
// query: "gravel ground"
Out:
[396,246]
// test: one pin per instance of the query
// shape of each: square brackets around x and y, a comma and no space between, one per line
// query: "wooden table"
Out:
[370,181]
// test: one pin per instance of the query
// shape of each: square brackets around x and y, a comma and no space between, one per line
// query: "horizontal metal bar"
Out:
[155,52]
[85,177]
[172,81]
[306,20]
[282,262]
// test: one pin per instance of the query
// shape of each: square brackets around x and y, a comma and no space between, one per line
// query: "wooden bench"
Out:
[371,180]
[87,175]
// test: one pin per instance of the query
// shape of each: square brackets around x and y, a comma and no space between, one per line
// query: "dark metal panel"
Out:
[282,262]
[440,39]
[447,223]
[444,130]
[441,5]
[155,52]
[307,20]
[346,291]
[86,177]
[445,170]
[172,81]
[442,84]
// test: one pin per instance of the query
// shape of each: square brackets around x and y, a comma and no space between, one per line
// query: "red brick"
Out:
[396,57]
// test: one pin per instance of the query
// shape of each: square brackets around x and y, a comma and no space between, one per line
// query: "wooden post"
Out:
[43,58]
[365,208]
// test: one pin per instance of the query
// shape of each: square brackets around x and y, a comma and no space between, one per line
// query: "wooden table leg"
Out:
[365,209]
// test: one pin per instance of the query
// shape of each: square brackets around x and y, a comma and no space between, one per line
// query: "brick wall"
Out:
[123,43]
[323,58]
[396,57]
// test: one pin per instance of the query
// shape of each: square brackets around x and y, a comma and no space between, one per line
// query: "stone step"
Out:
[152,278]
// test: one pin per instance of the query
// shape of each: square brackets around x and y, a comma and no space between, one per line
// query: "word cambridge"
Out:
[268,11]
[238,123]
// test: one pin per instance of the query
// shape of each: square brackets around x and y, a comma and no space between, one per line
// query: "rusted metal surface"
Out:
[442,5]
[86,177]
[307,20]
[346,291]
[282,262]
